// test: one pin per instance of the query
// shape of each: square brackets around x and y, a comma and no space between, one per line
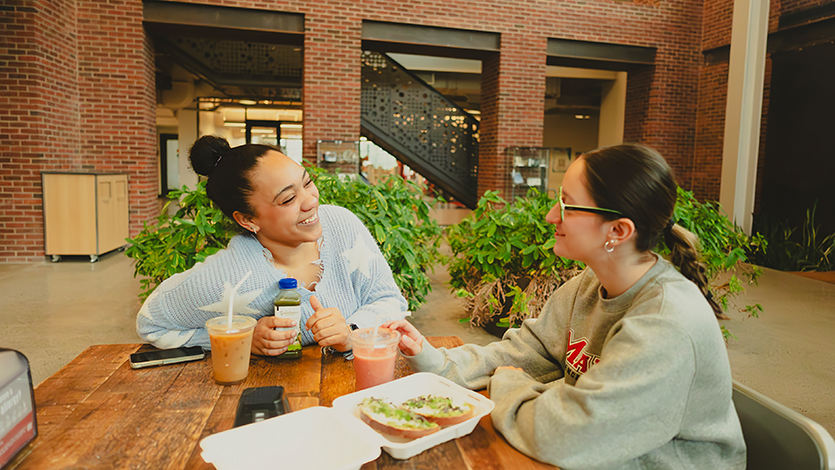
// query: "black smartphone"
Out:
[166,356]
[260,403]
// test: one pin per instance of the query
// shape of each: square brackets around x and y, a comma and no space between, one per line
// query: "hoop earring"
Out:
[609,246]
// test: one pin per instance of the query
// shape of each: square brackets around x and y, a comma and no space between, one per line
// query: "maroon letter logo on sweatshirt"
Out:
[576,356]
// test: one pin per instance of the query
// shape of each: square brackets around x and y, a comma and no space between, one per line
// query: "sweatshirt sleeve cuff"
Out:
[429,359]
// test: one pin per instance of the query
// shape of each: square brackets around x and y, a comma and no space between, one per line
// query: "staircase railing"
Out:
[419,126]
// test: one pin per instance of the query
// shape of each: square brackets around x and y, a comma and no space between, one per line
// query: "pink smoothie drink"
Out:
[374,356]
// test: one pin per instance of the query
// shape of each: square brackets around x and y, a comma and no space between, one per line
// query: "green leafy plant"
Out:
[396,213]
[175,243]
[503,267]
[792,248]
[504,251]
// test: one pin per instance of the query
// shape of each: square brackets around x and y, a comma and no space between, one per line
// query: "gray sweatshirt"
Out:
[639,381]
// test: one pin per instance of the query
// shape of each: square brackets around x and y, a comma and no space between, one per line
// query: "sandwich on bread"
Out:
[388,419]
[439,410]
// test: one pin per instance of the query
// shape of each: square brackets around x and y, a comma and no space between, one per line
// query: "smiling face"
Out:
[285,201]
[581,235]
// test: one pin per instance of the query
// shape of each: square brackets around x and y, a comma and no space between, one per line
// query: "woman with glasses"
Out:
[626,365]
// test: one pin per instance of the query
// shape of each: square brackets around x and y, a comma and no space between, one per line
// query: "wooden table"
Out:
[98,413]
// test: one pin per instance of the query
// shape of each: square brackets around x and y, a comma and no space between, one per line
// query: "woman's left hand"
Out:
[328,326]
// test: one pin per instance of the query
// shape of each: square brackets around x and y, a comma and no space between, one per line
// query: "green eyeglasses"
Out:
[593,210]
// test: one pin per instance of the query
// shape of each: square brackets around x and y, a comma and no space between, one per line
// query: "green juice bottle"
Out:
[288,304]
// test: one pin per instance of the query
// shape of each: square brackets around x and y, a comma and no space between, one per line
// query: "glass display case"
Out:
[339,156]
[537,167]
[529,169]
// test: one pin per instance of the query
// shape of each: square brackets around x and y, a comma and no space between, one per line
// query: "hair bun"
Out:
[206,153]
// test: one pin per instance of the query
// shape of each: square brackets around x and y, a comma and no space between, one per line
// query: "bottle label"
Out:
[292,312]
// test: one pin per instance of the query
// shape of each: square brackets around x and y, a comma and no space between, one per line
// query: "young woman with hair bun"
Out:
[626,366]
[285,233]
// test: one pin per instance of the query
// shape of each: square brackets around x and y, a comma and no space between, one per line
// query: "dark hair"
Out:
[636,181]
[228,171]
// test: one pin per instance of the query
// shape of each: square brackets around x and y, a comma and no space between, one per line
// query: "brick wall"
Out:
[710,122]
[331,93]
[492,166]
[39,118]
[76,94]
[519,107]
[93,57]
[792,6]
[638,88]
[712,100]
[117,99]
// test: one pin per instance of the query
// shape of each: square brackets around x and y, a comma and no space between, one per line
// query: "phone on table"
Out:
[260,403]
[166,356]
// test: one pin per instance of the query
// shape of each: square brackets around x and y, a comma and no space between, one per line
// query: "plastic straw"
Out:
[232,298]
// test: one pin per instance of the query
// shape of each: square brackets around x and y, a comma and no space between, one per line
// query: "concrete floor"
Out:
[53,311]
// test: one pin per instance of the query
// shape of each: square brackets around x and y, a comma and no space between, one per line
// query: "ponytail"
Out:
[684,254]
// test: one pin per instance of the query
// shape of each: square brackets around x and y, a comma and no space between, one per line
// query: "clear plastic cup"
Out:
[230,347]
[374,356]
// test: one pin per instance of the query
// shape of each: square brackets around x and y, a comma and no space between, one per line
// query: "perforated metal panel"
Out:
[251,59]
[442,135]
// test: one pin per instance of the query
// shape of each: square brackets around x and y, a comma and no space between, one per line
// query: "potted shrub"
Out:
[503,267]
[395,211]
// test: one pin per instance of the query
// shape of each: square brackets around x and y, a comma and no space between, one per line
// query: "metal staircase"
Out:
[419,126]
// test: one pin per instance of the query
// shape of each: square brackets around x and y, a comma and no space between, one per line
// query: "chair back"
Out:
[778,437]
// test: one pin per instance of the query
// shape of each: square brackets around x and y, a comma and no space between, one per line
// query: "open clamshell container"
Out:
[278,442]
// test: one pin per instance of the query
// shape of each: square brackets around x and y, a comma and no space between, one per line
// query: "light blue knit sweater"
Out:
[355,279]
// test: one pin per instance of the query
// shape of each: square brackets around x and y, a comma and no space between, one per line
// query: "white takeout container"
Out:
[346,442]
[400,390]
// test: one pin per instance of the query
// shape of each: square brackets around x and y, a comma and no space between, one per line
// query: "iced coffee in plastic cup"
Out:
[374,356]
[230,347]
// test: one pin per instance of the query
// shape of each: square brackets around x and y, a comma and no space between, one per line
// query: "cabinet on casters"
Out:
[84,213]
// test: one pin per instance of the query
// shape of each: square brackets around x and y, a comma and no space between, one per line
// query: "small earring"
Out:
[254,230]
[609,246]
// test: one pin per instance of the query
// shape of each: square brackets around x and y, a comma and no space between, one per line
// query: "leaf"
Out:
[381,234]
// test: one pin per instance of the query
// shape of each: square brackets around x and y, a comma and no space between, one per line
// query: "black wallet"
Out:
[260,403]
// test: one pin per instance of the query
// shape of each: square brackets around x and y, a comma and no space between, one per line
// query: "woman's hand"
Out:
[328,326]
[266,341]
[411,341]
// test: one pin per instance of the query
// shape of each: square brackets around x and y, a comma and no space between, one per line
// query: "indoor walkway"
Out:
[53,311]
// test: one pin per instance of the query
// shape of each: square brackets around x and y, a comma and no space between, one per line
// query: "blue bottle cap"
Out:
[287,283]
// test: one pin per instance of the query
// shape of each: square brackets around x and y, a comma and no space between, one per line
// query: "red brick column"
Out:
[492,164]
[512,106]
[76,94]
[712,97]
[38,116]
[638,88]
[710,126]
[332,88]
[117,99]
